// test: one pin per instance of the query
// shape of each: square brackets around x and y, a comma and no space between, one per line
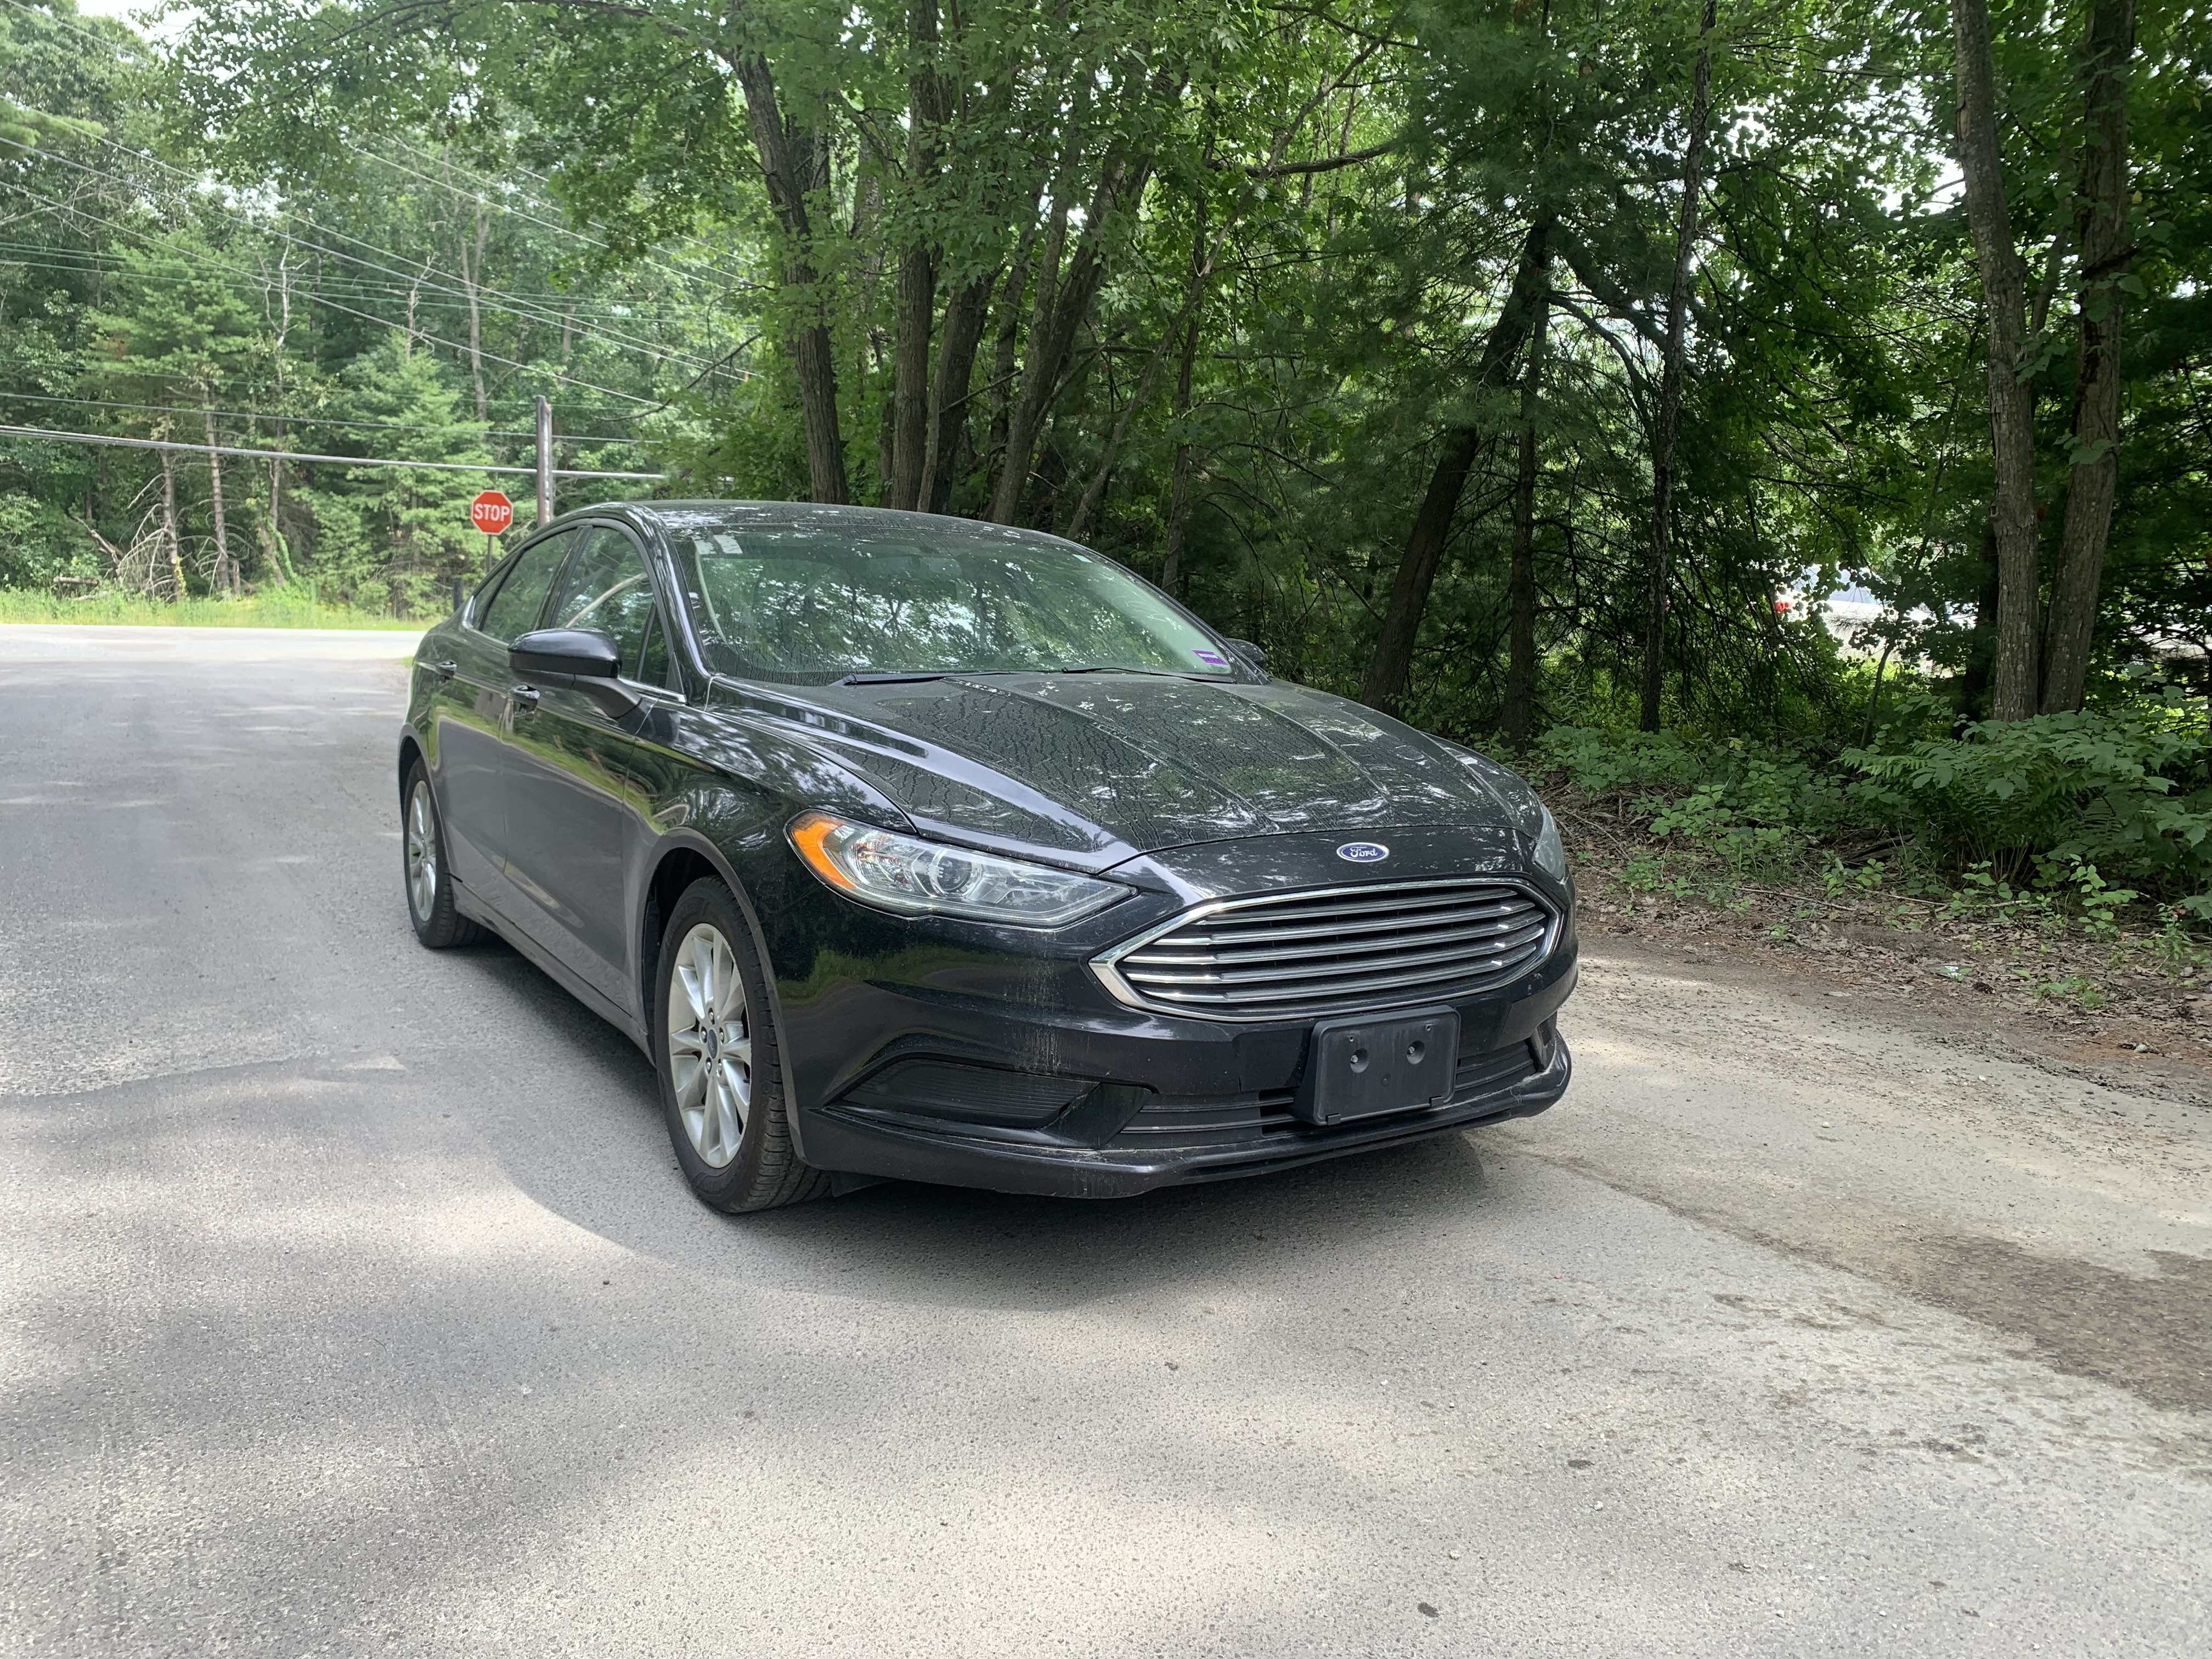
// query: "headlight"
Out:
[1551,851]
[927,878]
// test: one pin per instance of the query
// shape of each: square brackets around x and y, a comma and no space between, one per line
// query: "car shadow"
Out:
[595,1151]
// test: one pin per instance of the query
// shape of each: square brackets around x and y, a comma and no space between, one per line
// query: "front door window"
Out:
[605,587]
[514,607]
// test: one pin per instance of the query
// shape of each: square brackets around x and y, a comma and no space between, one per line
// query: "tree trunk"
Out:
[472,281]
[226,574]
[1185,325]
[1982,643]
[2012,406]
[169,518]
[1519,718]
[1393,662]
[795,164]
[1007,492]
[916,314]
[282,564]
[1179,487]
[1052,330]
[965,314]
[999,395]
[1670,382]
[2106,255]
[917,272]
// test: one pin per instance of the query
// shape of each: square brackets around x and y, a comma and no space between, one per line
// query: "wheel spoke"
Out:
[687,1042]
[726,1134]
[704,968]
[730,988]
[690,1080]
[736,1088]
[687,981]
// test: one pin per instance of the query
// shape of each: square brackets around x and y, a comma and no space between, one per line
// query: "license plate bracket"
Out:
[1363,1067]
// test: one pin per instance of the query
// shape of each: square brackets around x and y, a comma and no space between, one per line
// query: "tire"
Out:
[721,1077]
[426,875]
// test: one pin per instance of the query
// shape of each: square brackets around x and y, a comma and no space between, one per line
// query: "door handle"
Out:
[445,671]
[524,696]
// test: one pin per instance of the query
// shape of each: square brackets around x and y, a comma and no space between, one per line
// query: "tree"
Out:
[396,536]
[2106,250]
[2012,412]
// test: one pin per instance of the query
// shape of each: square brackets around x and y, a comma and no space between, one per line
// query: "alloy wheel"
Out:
[421,851]
[710,1044]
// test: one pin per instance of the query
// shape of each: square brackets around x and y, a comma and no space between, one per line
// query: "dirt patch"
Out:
[2153,1033]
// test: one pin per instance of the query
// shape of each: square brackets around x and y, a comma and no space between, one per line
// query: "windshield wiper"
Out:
[889,679]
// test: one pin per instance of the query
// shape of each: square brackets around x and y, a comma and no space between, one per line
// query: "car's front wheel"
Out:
[430,886]
[721,1082]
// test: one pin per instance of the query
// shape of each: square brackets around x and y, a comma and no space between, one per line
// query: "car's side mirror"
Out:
[1251,654]
[581,659]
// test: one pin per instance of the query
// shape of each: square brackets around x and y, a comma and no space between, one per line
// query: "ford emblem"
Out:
[1363,852]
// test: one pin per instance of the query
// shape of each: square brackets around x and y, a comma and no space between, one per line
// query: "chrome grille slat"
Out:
[1378,993]
[1269,975]
[1272,909]
[1151,956]
[1320,930]
[1346,949]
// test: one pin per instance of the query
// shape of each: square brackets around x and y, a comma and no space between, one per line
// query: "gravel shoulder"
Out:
[2058,1191]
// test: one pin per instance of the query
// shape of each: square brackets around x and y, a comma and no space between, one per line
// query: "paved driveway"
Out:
[351,1302]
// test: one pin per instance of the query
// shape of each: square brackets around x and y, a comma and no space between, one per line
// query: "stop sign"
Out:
[491,512]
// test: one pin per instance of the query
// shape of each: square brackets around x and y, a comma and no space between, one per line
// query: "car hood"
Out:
[1091,769]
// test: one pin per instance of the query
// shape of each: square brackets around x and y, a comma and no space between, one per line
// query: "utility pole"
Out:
[544,461]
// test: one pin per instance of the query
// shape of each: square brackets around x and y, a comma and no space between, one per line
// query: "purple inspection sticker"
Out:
[1211,658]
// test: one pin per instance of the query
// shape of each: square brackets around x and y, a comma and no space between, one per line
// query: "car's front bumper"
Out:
[1168,1142]
[943,1052]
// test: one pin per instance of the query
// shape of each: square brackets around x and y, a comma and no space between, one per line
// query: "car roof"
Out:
[677,517]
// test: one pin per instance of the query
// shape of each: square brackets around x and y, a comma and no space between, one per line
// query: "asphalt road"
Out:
[351,1302]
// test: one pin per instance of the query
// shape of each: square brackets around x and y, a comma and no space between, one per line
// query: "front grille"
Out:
[1347,949]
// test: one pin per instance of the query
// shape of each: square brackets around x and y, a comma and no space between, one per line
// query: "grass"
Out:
[275,610]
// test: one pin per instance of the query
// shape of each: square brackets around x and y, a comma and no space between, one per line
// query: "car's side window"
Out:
[514,607]
[605,587]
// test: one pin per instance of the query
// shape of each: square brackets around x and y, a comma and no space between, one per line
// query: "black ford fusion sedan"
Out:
[912,846]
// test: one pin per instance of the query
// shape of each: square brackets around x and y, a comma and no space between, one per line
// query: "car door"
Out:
[472,713]
[580,781]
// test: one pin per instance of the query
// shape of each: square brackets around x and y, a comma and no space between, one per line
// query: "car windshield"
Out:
[810,604]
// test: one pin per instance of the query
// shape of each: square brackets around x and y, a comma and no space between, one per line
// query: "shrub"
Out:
[2125,794]
[2079,802]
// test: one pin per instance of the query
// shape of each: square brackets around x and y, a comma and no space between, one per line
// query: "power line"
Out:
[294,455]
[135,371]
[89,264]
[482,295]
[296,420]
[419,334]
[705,271]
[725,279]
[725,282]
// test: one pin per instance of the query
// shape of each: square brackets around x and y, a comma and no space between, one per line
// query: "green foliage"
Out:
[38,543]
[296,607]
[2042,817]
[394,536]
[2126,792]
